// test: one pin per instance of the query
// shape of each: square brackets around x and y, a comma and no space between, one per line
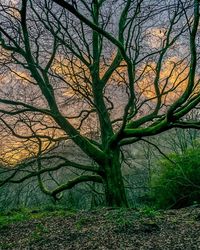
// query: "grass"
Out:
[148,211]
[23,214]
[38,234]
[118,216]
[81,222]
[114,228]
[10,217]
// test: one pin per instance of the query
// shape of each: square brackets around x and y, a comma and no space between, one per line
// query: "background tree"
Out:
[128,69]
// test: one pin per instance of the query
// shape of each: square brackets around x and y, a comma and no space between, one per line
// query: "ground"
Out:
[102,229]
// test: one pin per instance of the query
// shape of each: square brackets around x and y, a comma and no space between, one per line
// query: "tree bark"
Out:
[115,194]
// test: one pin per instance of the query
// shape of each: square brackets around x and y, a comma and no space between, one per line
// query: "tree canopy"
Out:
[102,74]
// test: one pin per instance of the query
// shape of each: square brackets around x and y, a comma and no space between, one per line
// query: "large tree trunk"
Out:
[115,194]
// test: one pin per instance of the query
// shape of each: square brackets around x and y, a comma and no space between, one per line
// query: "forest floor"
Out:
[101,229]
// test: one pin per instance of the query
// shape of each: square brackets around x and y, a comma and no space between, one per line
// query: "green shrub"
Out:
[177,182]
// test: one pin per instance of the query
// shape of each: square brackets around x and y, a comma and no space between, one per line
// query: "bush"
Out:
[177,182]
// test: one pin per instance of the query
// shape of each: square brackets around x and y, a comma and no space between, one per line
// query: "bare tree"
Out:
[128,69]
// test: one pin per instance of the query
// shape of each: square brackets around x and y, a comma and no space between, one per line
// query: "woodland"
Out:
[99,118]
